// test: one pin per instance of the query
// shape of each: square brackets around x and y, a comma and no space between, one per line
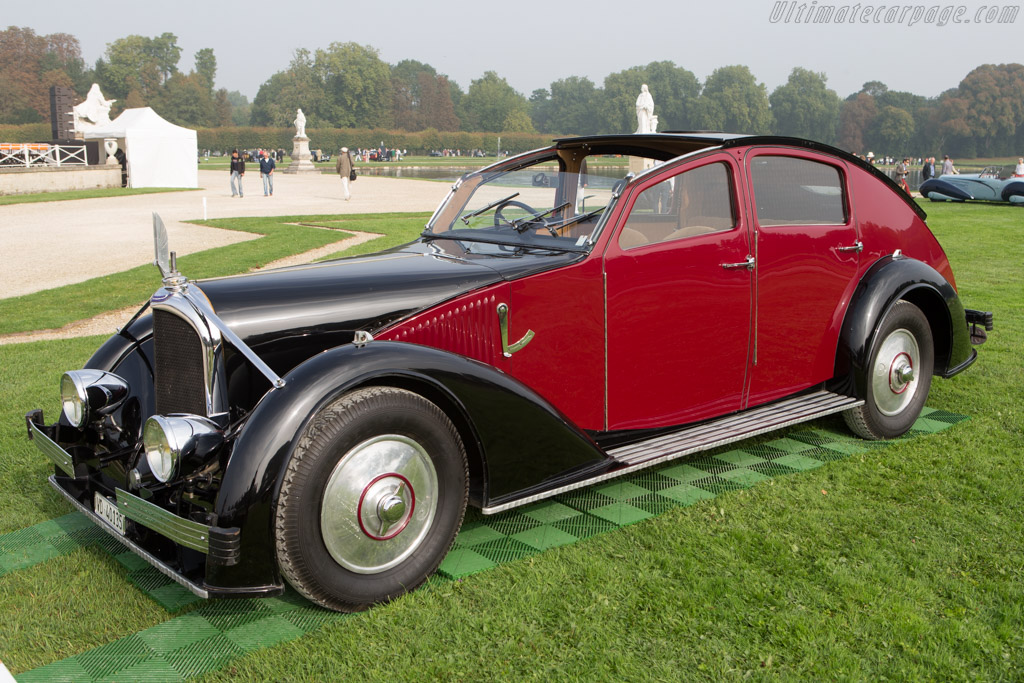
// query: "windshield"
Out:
[540,204]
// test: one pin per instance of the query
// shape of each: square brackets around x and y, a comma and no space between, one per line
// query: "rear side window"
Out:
[792,191]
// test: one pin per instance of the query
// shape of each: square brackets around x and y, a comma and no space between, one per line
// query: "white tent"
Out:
[160,154]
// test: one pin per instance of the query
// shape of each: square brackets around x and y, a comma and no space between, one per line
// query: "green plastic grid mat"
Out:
[206,638]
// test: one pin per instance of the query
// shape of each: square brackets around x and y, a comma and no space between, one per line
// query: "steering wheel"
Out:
[499,219]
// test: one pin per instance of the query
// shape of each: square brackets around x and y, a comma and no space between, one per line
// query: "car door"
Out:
[678,298]
[807,252]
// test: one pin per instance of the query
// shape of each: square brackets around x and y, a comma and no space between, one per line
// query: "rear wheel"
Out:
[371,499]
[898,376]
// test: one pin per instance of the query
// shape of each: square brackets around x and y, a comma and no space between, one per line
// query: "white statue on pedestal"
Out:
[645,112]
[300,124]
[95,111]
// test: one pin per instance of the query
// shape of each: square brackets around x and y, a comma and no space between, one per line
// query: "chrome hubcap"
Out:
[379,504]
[893,378]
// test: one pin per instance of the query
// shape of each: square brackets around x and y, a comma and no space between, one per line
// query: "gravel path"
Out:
[50,244]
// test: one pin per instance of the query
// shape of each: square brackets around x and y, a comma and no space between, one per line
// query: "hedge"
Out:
[333,139]
[25,132]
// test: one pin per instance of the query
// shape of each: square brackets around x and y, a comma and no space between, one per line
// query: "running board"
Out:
[703,437]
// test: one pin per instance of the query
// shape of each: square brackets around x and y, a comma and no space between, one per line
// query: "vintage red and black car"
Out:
[559,322]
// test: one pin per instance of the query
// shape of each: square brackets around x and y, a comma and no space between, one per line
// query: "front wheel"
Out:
[898,375]
[371,499]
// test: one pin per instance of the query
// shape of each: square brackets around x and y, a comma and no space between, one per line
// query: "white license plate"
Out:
[108,512]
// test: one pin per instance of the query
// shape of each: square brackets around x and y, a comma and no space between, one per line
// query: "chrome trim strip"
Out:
[244,349]
[790,412]
[52,450]
[131,545]
[180,530]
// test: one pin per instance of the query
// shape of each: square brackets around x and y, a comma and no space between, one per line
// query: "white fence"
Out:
[41,154]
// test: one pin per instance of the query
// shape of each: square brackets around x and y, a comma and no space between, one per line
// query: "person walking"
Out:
[237,171]
[346,169]
[267,167]
[902,169]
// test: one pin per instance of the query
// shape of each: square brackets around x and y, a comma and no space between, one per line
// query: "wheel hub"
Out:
[894,379]
[378,504]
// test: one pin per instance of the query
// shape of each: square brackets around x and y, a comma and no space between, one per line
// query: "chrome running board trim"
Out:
[132,545]
[52,450]
[703,437]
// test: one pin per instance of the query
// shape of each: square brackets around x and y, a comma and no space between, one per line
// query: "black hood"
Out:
[336,298]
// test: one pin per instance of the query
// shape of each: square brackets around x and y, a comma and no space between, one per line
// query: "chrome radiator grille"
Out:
[179,366]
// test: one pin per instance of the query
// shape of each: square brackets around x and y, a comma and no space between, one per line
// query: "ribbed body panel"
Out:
[179,366]
[468,328]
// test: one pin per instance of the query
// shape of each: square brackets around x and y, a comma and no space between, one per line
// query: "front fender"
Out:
[509,425]
[886,282]
[944,188]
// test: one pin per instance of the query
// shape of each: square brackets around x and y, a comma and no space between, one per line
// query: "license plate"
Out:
[108,512]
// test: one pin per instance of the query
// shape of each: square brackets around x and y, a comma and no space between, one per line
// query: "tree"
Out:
[138,63]
[436,107]
[855,119]
[286,91]
[892,129]
[489,102]
[993,96]
[572,108]
[618,106]
[186,101]
[206,66]
[804,107]
[517,121]
[540,110]
[676,91]
[357,86]
[733,101]
[29,65]
[240,108]
[406,95]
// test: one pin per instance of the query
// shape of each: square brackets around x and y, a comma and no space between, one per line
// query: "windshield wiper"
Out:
[576,219]
[523,222]
[465,219]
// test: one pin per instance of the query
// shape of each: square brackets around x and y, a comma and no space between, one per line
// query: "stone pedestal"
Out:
[301,158]
[640,164]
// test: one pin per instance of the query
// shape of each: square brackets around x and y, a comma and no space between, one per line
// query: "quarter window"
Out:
[792,191]
[695,202]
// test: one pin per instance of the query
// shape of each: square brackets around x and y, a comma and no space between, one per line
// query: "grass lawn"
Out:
[901,563]
[85,194]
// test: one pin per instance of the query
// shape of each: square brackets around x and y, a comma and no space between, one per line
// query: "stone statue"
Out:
[95,111]
[300,124]
[645,111]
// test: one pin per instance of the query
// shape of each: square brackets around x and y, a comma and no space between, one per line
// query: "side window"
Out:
[696,202]
[792,191]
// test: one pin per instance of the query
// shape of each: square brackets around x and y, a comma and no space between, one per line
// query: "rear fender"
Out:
[886,282]
[504,426]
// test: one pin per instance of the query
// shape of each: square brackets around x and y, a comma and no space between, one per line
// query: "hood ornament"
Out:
[166,261]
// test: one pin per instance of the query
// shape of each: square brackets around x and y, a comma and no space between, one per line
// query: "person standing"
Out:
[237,171]
[947,166]
[346,169]
[267,167]
[928,170]
[1018,171]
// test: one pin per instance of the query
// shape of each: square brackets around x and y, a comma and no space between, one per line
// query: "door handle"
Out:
[748,264]
[857,247]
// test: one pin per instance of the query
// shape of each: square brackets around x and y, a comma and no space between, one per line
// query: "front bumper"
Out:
[221,546]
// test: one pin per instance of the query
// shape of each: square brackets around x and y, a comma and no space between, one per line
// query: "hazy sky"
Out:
[534,42]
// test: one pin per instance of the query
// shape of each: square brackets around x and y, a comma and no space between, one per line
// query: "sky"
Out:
[921,48]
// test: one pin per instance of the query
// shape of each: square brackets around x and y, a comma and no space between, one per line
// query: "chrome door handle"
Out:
[748,264]
[857,247]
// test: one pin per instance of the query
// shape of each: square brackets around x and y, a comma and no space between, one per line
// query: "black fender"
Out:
[1014,189]
[887,281]
[944,187]
[519,438]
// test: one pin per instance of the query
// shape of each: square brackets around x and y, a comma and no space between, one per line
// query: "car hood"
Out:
[333,299]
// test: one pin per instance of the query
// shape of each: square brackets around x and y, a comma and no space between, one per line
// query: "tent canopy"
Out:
[160,154]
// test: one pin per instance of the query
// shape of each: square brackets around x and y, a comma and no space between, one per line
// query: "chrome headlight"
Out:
[169,440]
[86,394]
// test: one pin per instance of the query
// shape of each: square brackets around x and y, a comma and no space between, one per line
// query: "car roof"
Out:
[671,144]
